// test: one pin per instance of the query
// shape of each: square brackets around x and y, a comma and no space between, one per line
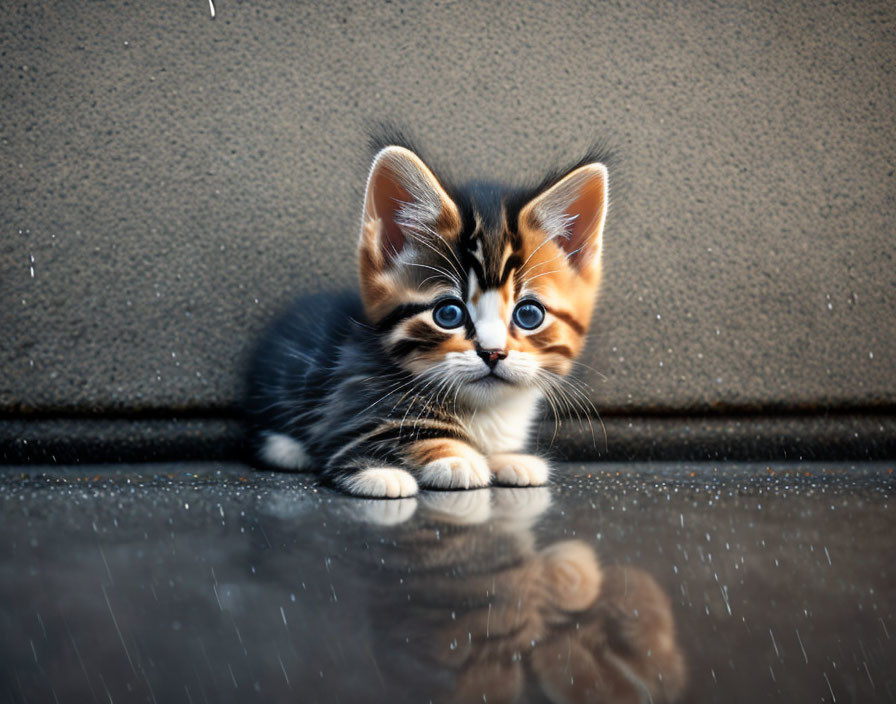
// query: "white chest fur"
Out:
[503,427]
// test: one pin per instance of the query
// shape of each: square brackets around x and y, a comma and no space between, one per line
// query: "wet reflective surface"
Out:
[213,583]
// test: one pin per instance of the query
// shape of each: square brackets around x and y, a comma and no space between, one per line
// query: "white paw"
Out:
[380,483]
[460,508]
[521,505]
[456,473]
[519,470]
[384,513]
[283,451]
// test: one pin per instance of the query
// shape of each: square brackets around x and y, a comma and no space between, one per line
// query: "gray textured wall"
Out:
[177,179]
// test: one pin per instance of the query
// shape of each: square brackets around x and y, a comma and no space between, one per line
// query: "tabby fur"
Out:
[379,398]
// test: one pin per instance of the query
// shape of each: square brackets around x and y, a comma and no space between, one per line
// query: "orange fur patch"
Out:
[425,451]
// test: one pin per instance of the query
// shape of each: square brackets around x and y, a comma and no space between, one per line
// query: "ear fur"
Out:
[572,212]
[403,201]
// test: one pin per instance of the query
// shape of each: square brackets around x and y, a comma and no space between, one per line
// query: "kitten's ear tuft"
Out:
[404,200]
[572,212]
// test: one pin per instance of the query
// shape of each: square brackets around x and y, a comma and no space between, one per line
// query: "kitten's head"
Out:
[482,290]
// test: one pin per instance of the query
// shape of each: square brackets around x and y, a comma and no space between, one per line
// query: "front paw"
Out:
[379,483]
[467,472]
[512,469]
[446,463]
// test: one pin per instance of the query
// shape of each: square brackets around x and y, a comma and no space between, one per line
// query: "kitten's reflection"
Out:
[514,622]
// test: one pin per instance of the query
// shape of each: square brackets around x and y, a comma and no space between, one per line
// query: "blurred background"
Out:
[170,181]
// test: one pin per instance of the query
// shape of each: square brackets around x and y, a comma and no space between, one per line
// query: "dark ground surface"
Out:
[213,583]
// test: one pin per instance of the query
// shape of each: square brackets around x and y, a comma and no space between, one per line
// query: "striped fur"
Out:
[379,396]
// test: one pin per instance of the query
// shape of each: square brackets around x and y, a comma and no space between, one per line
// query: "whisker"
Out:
[538,276]
[532,253]
[443,272]
[577,363]
[394,389]
[574,390]
[427,243]
[544,263]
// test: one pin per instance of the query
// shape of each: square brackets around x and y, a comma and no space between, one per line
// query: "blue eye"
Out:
[449,314]
[528,315]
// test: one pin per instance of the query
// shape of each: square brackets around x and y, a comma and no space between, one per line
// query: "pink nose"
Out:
[491,357]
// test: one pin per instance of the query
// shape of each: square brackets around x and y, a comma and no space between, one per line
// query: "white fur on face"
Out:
[519,368]
[491,328]
[464,377]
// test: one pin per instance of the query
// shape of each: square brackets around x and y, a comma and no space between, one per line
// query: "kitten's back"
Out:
[292,364]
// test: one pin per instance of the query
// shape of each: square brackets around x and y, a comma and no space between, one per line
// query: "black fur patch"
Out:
[400,313]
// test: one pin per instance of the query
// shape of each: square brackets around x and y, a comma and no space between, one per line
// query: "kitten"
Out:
[474,302]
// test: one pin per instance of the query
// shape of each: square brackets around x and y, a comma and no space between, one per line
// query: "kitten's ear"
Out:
[404,200]
[572,212]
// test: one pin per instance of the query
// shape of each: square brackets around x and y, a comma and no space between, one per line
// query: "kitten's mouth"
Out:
[490,379]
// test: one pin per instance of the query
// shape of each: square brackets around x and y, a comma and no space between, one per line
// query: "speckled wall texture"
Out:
[170,181]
